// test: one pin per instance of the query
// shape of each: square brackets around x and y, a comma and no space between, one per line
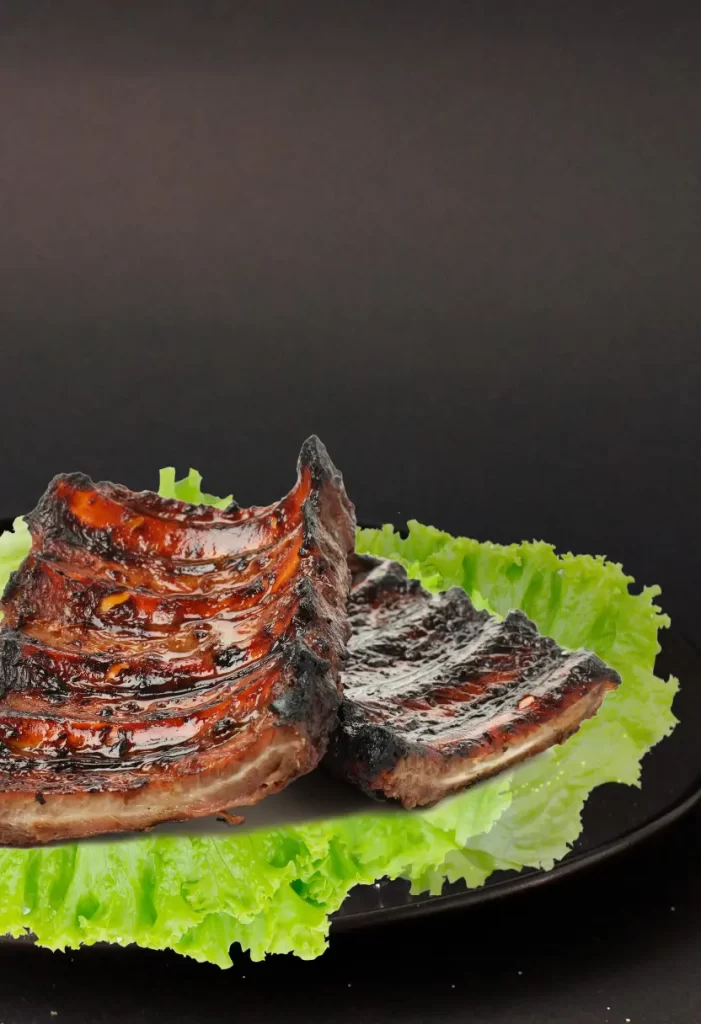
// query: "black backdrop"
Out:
[460,242]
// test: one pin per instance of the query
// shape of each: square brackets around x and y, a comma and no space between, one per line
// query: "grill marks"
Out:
[152,644]
[438,695]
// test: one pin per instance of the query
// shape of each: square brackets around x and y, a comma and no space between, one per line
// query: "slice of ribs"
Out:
[438,695]
[164,661]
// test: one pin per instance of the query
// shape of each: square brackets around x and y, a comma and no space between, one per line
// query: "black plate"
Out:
[615,817]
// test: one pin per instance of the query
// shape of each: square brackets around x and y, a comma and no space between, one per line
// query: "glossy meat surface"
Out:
[160,660]
[437,695]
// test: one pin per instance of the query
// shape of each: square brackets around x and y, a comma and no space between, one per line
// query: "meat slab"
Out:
[437,695]
[165,661]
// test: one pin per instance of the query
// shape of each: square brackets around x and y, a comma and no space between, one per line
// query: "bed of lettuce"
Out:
[273,891]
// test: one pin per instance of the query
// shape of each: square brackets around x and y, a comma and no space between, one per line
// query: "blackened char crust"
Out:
[438,695]
[161,660]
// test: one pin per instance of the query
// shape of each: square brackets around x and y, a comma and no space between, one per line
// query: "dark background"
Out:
[460,242]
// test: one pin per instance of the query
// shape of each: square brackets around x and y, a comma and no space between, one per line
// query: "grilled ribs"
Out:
[161,660]
[438,695]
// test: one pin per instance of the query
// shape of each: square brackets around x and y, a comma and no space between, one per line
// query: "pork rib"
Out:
[164,661]
[437,695]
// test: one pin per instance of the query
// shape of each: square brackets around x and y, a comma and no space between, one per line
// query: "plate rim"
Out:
[529,878]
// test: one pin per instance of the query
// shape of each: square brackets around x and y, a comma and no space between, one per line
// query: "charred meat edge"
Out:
[46,797]
[418,767]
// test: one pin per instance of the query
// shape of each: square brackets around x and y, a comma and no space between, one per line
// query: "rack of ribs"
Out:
[165,661]
[438,695]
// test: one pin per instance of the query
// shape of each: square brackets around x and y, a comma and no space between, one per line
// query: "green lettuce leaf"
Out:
[581,601]
[272,891]
[188,489]
[14,546]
